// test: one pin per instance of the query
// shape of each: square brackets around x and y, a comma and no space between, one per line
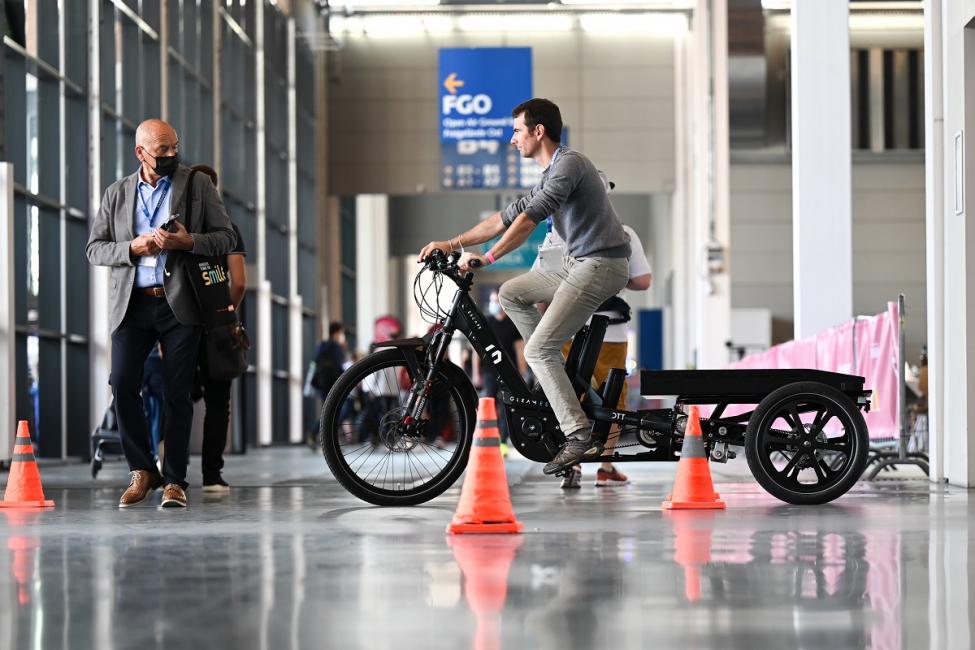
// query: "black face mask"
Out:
[166,165]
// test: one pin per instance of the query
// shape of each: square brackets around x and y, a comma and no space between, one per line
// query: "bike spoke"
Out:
[792,464]
[796,418]
[822,470]
[823,416]
[830,445]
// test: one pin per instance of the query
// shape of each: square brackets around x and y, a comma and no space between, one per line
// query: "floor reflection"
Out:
[485,561]
[296,567]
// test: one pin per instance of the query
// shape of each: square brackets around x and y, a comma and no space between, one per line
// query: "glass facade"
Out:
[193,63]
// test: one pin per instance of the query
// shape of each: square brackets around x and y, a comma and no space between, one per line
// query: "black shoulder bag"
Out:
[226,339]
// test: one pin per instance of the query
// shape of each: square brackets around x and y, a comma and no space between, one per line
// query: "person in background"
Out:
[612,353]
[514,347]
[216,392]
[152,400]
[331,359]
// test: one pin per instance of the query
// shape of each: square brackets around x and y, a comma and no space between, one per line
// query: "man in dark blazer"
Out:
[140,231]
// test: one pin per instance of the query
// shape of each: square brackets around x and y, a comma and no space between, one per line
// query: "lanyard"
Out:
[548,219]
[145,208]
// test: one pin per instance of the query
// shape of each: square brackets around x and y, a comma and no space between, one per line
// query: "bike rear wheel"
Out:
[369,451]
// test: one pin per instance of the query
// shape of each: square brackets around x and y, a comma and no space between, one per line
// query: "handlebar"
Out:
[439,261]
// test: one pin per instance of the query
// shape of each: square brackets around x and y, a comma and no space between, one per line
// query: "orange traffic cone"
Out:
[485,562]
[692,547]
[693,487]
[485,504]
[24,483]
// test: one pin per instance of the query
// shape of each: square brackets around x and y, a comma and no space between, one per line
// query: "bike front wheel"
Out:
[369,450]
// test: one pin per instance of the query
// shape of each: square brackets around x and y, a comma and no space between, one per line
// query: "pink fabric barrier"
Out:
[866,346]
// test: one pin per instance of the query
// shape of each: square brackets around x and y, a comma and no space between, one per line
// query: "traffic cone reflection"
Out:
[692,547]
[485,563]
[485,503]
[22,549]
[24,482]
[693,488]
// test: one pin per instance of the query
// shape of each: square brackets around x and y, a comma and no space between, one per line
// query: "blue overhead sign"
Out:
[478,88]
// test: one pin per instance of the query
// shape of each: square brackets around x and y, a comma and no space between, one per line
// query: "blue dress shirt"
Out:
[151,211]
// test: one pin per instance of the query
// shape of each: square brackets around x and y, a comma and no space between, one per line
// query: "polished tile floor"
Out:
[289,560]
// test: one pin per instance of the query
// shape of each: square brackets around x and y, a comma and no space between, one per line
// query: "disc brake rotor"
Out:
[393,435]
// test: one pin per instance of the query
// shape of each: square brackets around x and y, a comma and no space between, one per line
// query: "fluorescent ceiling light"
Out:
[649,5]
[886,22]
[515,22]
[406,26]
[352,4]
[438,24]
[892,5]
[649,24]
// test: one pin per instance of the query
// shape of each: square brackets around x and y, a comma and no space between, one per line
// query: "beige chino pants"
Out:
[573,294]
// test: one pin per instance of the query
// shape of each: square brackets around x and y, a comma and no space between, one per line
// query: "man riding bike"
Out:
[595,265]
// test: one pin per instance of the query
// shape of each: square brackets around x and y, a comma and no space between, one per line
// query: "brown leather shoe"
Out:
[173,496]
[140,487]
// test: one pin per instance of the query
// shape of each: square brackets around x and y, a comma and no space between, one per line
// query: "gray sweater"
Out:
[573,193]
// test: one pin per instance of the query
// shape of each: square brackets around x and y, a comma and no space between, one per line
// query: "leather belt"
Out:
[155,292]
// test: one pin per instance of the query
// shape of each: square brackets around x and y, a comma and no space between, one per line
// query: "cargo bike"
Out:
[397,427]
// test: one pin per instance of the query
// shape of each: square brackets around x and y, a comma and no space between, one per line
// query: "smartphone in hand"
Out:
[170,224]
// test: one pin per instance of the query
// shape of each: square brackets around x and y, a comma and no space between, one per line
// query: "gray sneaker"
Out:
[571,452]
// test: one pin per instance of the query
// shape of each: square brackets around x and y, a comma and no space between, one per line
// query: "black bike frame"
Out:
[464,317]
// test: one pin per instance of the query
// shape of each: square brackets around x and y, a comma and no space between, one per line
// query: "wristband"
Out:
[489,257]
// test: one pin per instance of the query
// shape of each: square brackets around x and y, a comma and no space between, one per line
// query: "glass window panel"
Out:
[46,265]
[47,431]
[78,283]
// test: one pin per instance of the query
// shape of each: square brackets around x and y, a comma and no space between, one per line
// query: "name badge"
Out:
[550,258]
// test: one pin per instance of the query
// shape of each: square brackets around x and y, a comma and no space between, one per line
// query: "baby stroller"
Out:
[105,439]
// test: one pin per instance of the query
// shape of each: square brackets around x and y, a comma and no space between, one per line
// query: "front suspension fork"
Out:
[420,392]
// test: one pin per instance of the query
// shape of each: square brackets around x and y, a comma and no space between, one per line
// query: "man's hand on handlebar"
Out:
[471,261]
[432,246]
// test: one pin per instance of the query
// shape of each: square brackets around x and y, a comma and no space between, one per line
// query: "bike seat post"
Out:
[590,352]
[612,390]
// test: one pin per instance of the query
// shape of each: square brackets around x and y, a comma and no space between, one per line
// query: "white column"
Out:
[372,265]
[821,166]
[99,338]
[958,353]
[8,316]
[708,299]
[216,42]
[934,231]
[295,338]
[163,58]
[265,404]
[715,312]
[264,371]
[678,317]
